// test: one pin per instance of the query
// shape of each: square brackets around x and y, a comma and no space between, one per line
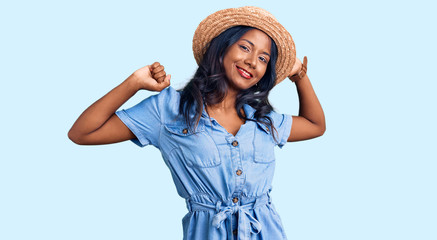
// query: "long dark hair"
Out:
[209,85]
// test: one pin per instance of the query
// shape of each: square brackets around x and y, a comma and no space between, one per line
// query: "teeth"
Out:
[245,72]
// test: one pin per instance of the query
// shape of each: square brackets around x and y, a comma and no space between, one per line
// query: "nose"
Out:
[250,60]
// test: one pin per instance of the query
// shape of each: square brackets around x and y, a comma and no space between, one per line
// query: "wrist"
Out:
[301,73]
[132,83]
[301,80]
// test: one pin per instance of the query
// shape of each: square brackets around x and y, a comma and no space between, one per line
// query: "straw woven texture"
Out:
[219,21]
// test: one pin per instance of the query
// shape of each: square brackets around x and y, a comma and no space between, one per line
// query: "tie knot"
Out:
[218,205]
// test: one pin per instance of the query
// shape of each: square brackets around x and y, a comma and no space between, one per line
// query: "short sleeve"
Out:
[282,123]
[145,118]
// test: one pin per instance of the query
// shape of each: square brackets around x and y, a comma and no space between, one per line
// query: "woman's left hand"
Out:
[296,67]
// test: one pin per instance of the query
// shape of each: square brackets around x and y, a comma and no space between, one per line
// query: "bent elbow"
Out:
[321,130]
[74,137]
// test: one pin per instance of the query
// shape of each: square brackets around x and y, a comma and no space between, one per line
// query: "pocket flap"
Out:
[183,130]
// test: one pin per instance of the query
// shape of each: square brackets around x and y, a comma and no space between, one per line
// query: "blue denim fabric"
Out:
[204,166]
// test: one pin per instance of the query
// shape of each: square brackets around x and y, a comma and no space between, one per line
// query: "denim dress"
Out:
[224,179]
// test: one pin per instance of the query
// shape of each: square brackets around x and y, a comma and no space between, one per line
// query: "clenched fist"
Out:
[151,77]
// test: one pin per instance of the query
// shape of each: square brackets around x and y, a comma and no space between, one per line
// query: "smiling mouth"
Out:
[244,73]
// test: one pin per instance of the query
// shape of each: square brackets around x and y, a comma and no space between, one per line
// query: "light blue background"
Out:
[372,175]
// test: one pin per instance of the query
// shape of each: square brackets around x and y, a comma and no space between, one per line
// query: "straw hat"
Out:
[219,21]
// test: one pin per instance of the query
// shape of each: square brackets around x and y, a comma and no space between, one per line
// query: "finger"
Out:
[158,69]
[159,76]
[160,79]
[155,64]
[304,65]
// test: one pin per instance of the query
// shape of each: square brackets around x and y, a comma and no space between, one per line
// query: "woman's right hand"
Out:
[151,77]
[99,124]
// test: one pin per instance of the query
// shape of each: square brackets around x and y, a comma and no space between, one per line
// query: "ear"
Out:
[221,60]
[224,54]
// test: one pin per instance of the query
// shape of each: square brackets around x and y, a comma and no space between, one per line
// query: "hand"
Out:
[296,67]
[151,77]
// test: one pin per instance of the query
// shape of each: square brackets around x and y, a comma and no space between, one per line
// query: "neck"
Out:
[227,106]
[228,103]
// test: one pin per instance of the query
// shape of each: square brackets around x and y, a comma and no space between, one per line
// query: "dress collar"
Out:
[248,110]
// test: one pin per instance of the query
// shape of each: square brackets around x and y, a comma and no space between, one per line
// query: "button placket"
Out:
[237,164]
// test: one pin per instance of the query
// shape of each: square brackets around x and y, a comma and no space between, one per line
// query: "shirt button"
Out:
[239,172]
[185,131]
[235,200]
[235,232]
[235,143]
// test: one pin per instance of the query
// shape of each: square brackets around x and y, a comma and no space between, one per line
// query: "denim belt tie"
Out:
[246,223]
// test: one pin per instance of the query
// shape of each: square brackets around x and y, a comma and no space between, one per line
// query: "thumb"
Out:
[167,80]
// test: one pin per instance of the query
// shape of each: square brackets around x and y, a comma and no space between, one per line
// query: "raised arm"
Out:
[311,120]
[99,124]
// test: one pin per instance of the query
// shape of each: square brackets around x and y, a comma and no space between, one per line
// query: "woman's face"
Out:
[245,62]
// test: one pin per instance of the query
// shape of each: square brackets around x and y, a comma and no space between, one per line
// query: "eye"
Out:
[263,59]
[244,47]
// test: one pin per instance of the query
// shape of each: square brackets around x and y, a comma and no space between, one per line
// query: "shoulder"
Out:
[159,102]
[169,93]
[282,123]
[168,96]
[277,118]
[162,104]
[168,101]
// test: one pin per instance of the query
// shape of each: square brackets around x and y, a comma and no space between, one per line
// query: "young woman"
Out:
[217,134]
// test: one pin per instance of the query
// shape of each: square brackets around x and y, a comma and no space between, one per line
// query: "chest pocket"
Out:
[198,148]
[263,145]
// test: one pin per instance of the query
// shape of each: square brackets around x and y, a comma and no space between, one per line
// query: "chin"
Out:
[245,87]
[240,83]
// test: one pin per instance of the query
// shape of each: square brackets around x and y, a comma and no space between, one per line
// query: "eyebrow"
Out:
[254,45]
